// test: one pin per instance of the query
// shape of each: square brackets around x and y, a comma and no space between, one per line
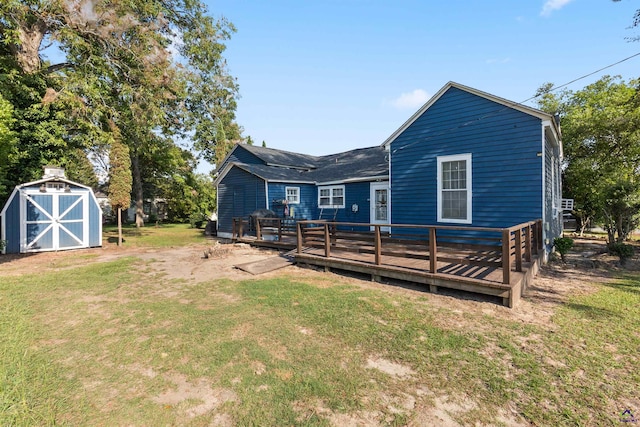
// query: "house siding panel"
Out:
[306,209]
[553,214]
[506,167]
[11,224]
[355,193]
[239,194]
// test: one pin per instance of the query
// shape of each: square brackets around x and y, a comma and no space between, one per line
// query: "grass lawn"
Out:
[114,343]
[161,236]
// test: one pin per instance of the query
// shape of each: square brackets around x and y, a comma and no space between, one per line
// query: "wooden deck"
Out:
[491,261]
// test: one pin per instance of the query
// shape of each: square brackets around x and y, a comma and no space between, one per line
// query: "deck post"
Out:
[433,250]
[234,223]
[378,245]
[327,241]
[527,243]
[280,229]
[506,256]
[241,229]
[519,249]
[299,237]
[258,229]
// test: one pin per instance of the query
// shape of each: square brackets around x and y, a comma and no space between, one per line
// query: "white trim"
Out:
[331,197]
[350,180]
[469,186]
[389,156]
[384,185]
[266,194]
[286,195]
[544,192]
[516,106]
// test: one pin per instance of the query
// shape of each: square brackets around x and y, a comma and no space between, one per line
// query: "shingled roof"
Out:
[285,166]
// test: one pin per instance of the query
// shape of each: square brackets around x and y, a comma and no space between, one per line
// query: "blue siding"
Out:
[240,155]
[239,194]
[307,207]
[506,167]
[553,214]
[95,224]
[65,202]
[11,220]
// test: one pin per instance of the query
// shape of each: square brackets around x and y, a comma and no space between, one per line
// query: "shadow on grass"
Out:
[590,312]
[12,257]
[628,283]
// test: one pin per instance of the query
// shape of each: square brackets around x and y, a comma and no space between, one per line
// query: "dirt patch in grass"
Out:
[419,378]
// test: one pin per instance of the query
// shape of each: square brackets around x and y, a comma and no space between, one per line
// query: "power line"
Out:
[496,112]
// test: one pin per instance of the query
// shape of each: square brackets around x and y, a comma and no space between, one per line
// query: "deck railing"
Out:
[500,248]
[265,228]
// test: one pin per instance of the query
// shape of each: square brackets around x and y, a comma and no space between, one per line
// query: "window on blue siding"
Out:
[331,196]
[293,195]
[454,188]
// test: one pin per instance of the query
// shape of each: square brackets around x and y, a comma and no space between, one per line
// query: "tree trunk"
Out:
[27,53]
[137,190]
[119,227]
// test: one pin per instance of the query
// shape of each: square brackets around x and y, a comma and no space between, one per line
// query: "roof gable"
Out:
[506,103]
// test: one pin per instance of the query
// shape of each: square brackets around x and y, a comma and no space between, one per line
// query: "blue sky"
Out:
[326,76]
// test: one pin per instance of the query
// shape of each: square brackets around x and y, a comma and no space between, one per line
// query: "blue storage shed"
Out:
[51,214]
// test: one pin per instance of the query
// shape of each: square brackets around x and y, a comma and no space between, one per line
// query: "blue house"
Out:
[338,187]
[471,158]
[51,214]
[466,158]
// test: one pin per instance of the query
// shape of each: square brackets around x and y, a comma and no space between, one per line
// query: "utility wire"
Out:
[496,112]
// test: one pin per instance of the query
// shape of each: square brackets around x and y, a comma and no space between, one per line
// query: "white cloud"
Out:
[551,5]
[412,99]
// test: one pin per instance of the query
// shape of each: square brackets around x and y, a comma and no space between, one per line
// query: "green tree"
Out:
[601,137]
[152,67]
[119,178]
[8,149]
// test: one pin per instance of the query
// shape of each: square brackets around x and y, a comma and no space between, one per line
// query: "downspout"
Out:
[266,194]
[388,148]
[544,194]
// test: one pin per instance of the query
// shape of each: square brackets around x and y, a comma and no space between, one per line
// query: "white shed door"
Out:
[54,221]
[379,204]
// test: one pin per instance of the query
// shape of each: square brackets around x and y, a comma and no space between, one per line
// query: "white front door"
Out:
[380,207]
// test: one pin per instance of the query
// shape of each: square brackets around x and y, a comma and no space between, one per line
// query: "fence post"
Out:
[527,243]
[241,228]
[518,249]
[234,225]
[378,244]
[299,237]
[327,241]
[506,256]
[258,229]
[433,251]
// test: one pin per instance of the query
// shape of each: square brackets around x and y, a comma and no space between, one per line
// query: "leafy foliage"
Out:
[601,137]
[622,250]
[563,245]
[152,70]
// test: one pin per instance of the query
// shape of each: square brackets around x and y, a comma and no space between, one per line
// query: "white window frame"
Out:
[456,158]
[297,195]
[331,189]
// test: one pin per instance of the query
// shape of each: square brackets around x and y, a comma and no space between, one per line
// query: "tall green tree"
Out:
[119,178]
[601,137]
[8,149]
[153,68]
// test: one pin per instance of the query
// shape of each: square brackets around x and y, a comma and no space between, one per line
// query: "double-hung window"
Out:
[331,196]
[293,195]
[454,188]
